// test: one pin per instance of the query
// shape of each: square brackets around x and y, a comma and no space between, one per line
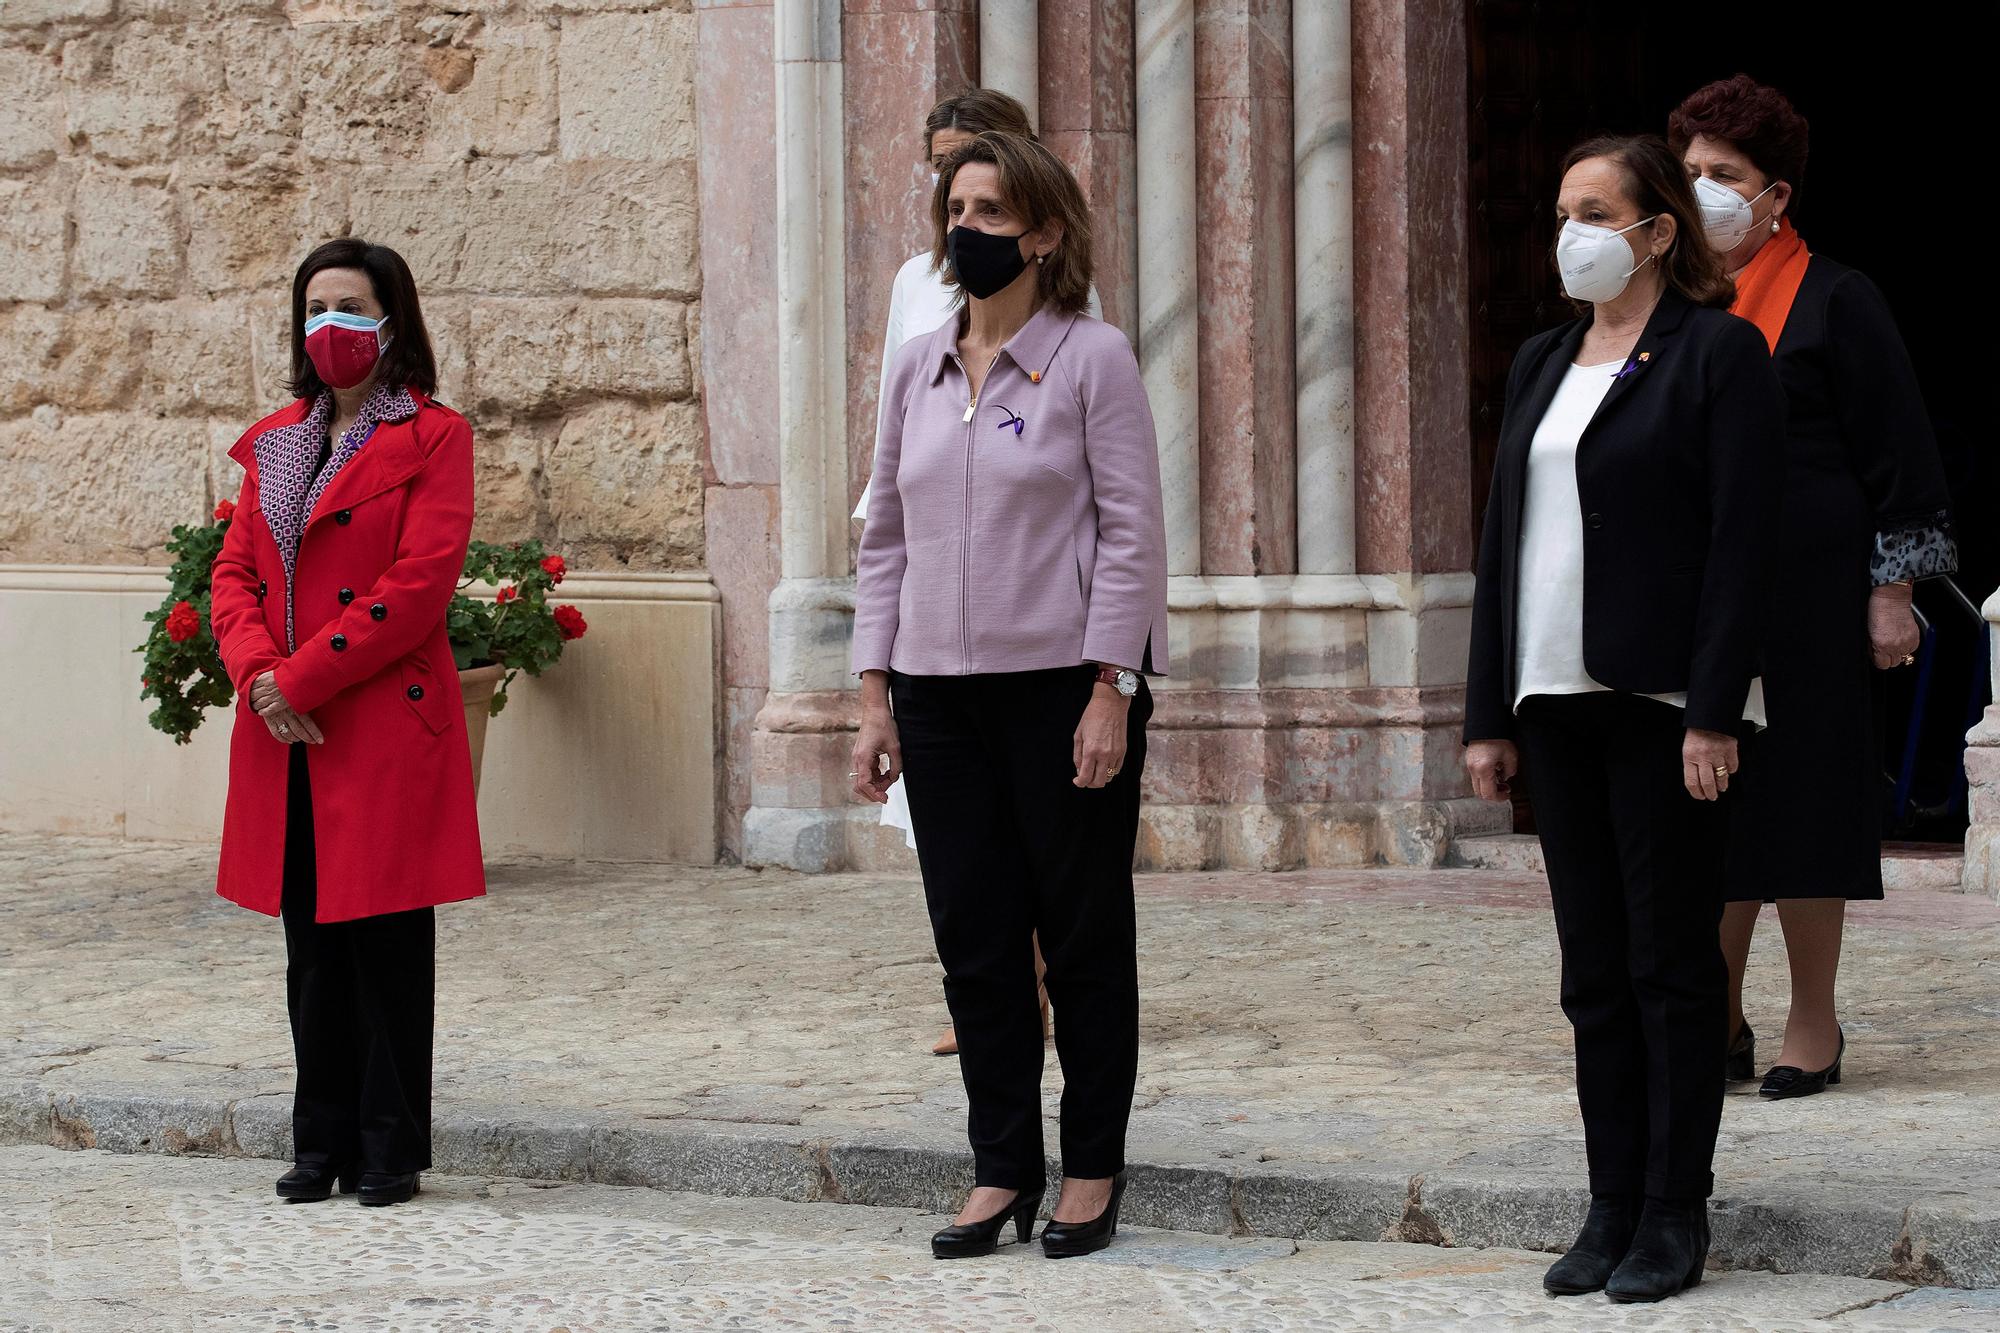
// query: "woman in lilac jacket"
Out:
[1011,599]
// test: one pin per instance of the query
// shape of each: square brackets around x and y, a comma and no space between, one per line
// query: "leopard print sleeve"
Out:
[1910,554]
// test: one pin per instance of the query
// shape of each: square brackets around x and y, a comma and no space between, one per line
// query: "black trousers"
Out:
[1636,874]
[360,996]
[1010,847]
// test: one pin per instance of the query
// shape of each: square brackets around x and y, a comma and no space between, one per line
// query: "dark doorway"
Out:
[1898,116]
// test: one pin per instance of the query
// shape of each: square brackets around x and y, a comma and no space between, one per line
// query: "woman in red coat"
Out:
[350,808]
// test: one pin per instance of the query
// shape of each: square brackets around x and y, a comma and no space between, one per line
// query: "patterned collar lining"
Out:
[286,487]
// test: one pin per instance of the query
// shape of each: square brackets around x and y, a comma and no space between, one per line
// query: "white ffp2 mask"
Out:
[1595,262]
[1726,216]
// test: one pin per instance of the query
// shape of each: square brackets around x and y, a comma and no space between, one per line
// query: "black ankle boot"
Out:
[379,1188]
[1667,1254]
[1607,1233]
[313,1182]
[971,1240]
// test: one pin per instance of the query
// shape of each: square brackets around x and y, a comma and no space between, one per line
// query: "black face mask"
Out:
[985,263]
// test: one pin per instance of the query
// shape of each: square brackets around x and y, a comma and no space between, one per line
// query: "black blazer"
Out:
[1679,473]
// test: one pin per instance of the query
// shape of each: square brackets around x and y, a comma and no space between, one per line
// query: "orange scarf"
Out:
[1769,283]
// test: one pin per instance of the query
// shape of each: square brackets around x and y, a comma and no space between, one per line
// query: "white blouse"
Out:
[1548,643]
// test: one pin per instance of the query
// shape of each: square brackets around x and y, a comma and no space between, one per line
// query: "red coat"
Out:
[394,824]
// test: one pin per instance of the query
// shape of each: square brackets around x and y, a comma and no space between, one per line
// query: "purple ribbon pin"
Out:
[1016,422]
[1632,365]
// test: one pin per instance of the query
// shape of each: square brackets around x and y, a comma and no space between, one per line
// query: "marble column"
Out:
[799,802]
[812,342]
[1413,445]
[1087,119]
[1168,347]
[736,131]
[1243,165]
[1010,51]
[1323,320]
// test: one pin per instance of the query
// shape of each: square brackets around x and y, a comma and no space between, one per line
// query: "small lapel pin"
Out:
[1034,377]
[1632,365]
[1016,422]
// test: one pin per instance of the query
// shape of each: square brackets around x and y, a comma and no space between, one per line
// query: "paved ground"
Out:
[93,1242]
[1334,1055]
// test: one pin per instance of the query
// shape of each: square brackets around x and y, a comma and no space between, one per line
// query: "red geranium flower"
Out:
[570,622]
[183,622]
[507,594]
[554,567]
[225,511]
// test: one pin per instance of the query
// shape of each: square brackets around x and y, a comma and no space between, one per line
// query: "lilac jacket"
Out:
[992,549]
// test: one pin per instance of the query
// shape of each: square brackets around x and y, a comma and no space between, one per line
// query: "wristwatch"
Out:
[1125,682]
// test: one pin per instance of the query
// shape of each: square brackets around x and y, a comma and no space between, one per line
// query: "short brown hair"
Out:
[1658,183]
[1037,185]
[1758,120]
[408,360]
[978,111]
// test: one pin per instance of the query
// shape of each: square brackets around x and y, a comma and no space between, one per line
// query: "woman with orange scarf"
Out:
[1866,515]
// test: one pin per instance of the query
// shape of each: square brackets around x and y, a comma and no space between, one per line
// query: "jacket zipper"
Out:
[965,514]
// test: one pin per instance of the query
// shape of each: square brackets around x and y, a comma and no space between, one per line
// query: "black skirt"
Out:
[1808,808]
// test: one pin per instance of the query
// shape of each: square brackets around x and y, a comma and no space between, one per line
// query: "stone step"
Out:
[1906,866]
[1790,1222]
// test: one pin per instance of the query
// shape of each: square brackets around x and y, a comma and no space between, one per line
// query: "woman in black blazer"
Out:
[1865,517]
[1615,639]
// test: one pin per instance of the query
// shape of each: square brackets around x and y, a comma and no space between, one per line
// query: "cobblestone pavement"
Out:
[1374,1021]
[93,1242]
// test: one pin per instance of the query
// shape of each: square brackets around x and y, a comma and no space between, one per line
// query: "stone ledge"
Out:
[1795,1228]
[1271,837]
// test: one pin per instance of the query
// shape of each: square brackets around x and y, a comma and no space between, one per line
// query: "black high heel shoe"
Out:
[1066,1240]
[1742,1065]
[313,1182]
[1599,1247]
[379,1188]
[1790,1081]
[970,1240]
[1668,1254]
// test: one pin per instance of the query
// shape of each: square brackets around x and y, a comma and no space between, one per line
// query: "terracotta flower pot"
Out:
[478,685]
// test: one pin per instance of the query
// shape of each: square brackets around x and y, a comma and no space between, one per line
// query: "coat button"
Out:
[1595,521]
[378,612]
[346,596]
[344,517]
[339,643]
[415,691]
[262,587]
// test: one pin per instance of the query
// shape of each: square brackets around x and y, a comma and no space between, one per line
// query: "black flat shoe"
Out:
[313,1182]
[379,1188]
[1790,1081]
[1668,1253]
[1742,1066]
[1606,1235]
[1066,1240]
[970,1240]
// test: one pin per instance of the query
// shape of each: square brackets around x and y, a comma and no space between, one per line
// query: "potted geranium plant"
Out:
[183,669]
[492,640]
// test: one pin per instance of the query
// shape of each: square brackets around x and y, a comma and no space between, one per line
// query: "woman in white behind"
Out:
[918,304]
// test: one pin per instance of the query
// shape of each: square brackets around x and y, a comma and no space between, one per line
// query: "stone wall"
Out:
[164,164]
